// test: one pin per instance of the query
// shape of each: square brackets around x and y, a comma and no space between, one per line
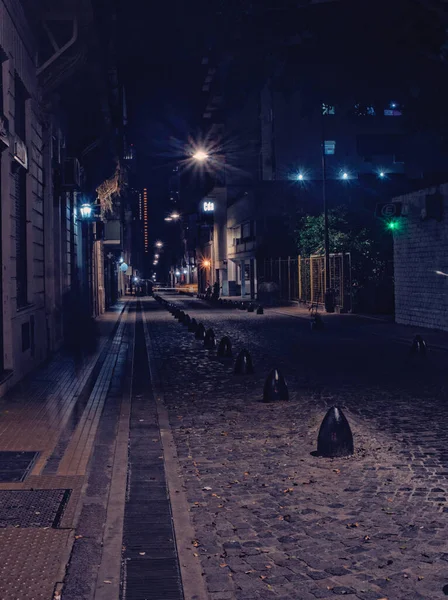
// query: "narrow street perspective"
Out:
[172,476]
[224,299]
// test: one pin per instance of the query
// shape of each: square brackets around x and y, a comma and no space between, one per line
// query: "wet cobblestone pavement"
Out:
[273,520]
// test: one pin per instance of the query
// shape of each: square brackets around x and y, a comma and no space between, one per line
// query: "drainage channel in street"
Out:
[150,562]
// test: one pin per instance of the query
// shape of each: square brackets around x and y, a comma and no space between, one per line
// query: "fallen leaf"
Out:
[352,525]
[336,470]
[107,581]
[420,577]
[206,489]
[195,543]
[263,576]
[223,565]
[77,537]
[142,553]
[366,538]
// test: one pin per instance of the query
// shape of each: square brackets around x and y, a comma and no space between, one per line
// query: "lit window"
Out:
[364,110]
[328,109]
[393,110]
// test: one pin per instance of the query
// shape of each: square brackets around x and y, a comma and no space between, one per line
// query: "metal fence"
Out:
[303,279]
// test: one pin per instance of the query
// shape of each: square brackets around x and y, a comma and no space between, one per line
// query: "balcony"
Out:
[242,246]
[4,132]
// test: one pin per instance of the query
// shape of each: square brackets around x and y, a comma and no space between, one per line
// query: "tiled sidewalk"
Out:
[33,417]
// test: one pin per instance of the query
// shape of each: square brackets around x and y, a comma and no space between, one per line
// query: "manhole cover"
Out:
[15,466]
[32,508]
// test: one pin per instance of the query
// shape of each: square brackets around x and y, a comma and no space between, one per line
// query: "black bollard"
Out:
[193,326]
[187,320]
[275,388]
[209,340]
[419,348]
[200,332]
[243,364]
[242,306]
[225,348]
[260,310]
[335,436]
[250,308]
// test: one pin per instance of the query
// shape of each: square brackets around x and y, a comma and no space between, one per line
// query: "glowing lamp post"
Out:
[86,211]
[200,156]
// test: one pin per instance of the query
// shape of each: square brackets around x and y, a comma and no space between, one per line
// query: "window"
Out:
[1,86]
[328,109]
[247,230]
[364,110]
[21,238]
[20,97]
[393,110]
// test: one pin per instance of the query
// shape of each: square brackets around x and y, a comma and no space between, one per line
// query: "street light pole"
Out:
[328,293]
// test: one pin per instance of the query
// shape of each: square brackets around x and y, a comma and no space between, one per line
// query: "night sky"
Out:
[161,52]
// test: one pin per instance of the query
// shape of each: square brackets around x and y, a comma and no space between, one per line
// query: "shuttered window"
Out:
[20,97]
[21,241]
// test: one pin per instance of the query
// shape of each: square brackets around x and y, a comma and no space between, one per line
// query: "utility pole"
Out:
[328,292]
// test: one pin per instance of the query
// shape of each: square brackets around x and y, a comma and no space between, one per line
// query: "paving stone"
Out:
[342,517]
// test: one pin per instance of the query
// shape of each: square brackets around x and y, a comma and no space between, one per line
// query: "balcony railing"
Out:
[243,245]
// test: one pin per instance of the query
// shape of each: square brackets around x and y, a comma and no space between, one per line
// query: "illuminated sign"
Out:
[329,146]
[208,206]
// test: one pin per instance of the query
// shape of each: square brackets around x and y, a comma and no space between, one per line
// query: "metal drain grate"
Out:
[32,508]
[15,466]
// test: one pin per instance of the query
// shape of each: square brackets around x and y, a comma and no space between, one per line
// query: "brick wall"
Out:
[420,250]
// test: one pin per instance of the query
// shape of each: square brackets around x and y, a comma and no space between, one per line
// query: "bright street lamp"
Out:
[159,244]
[300,177]
[175,215]
[344,175]
[200,156]
[168,218]
[156,256]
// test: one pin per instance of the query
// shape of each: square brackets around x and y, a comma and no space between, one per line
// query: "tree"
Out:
[370,250]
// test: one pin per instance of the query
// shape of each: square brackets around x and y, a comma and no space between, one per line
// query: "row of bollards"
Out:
[239,304]
[335,437]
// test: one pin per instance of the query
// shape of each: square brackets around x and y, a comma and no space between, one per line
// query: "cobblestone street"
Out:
[270,518]
[166,478]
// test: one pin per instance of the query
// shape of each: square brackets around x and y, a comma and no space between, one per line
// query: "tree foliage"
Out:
[370,249]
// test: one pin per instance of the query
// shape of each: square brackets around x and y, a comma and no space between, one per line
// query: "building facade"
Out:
[50,165]
[24,327]
[421,258]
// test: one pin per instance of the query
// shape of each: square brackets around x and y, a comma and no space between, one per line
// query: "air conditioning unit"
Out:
[72,173]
